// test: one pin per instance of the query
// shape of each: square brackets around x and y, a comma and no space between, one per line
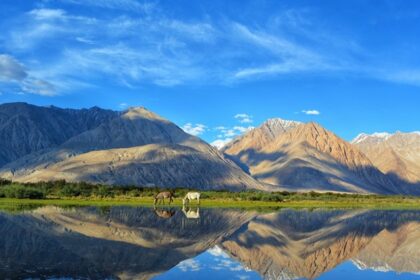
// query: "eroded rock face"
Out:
[139,243]
[397,155]
[293,244]
[26,128]
[122,242]
[137,147]
[308,157]
[393,250]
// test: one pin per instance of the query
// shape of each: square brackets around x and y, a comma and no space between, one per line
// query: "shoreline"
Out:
[378,203]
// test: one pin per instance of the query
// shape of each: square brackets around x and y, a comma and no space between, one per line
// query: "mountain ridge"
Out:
[95,156]
[309,157]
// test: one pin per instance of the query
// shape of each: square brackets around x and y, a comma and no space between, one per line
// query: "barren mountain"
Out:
[138,147]
[26,128]
[296,244]
[393,250]
[121,243]
[397,155]
[309,157]
[246,145]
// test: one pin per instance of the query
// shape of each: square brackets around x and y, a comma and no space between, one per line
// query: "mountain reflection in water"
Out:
[169,243]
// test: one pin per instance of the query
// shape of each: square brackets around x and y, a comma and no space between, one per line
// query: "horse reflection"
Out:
[164,213]
[191,213]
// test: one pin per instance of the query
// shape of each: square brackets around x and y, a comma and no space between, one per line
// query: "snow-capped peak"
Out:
[375,137]
[379,137]
[280,124]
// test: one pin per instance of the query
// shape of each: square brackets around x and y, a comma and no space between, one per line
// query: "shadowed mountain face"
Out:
[27,128]
[137,147]
[139,243]
[309,157]
[295,244]
[397,155]
[121,242]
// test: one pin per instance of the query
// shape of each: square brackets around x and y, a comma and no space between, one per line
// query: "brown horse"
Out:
[164,213]
[160,197]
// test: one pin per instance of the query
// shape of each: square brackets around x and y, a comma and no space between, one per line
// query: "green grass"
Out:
[61,193]
[341,203]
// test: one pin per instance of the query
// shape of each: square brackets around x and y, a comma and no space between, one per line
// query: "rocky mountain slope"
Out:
[308,157]
[397,155]
[137,147]
[393,250]
[300,244]
[26,128]
[121,243]
[245,146]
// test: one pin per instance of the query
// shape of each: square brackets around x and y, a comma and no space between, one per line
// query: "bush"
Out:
[4,182]
[70,190]
[18,191]
[103,191]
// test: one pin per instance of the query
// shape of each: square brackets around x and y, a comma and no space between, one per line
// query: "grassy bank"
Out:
[61,193]
[379,203]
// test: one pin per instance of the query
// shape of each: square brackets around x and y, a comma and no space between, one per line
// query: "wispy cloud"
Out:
[226,134]
[217,252]
[47,14]
[220,143]
[189,265]
[311,112]
[244,118]
[123,105]
[12,71]
[194,129]
[122,47]
[127,5]
[287,55]
[411,76]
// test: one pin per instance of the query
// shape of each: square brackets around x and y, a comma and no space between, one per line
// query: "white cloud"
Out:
[411,77]
[289,57]
[217,252]
[189,265]
[242,129]
[227,134]
[311,112]
[47,14]
[220,143]
[194,129]
[123,105]
[166,51]
[39,87]
[244,118]
[128,5]
[85,40]
[11,69]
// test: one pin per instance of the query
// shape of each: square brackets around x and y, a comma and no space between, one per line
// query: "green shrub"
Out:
[19,191]
[70,190]
[103,191]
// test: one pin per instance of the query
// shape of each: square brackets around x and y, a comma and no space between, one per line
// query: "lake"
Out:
[173,243]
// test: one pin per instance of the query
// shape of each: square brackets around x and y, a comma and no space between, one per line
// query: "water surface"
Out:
[174,243]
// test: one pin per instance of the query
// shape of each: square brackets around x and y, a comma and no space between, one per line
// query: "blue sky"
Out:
[219,67]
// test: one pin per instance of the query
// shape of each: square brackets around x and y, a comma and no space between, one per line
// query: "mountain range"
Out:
[135,147]
[94,243]
[138,147]
[307,157]
[397,155]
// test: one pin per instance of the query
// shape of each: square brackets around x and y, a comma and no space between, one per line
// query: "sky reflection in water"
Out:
[173,243]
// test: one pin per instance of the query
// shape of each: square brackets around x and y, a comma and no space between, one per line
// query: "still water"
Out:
[173,243]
